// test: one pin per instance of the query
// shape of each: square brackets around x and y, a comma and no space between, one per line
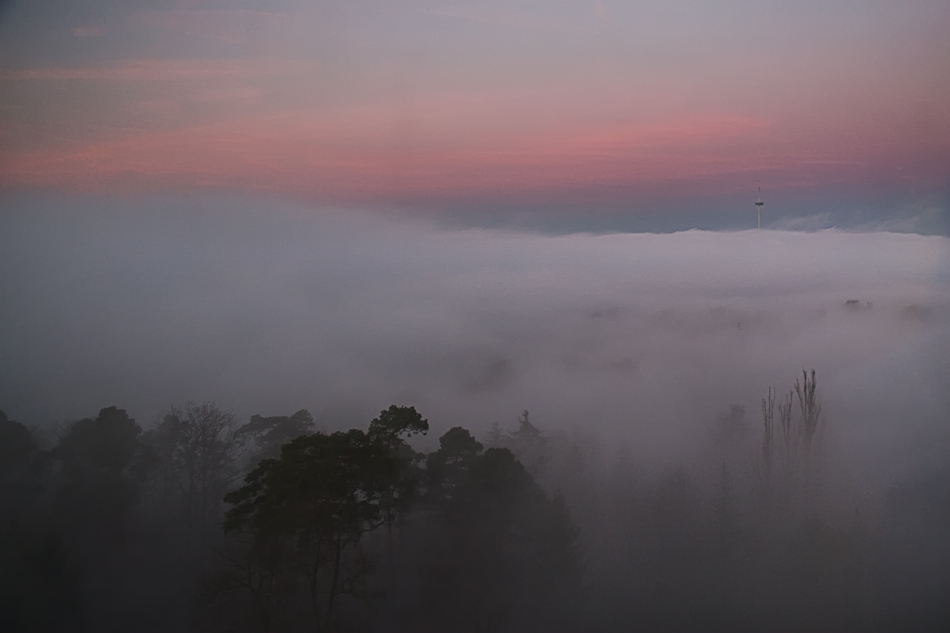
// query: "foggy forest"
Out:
[681,465]
[442,316]
[111,528]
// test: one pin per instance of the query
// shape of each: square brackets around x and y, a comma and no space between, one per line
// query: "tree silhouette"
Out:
[103,463]
[505,553]
[391,429]
[268,434]
[306,512]
[197,448]
[39,586]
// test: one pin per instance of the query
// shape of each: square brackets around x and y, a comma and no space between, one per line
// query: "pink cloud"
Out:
[360,154]
[475,143]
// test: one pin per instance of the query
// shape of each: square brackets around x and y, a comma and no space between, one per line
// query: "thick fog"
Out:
[648,491]
[267,307]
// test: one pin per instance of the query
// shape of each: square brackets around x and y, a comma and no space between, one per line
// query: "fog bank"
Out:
[648,336]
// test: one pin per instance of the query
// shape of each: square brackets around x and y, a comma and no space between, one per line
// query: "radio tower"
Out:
[758,208]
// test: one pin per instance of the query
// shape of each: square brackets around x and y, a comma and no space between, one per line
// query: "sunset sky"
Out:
[555,106]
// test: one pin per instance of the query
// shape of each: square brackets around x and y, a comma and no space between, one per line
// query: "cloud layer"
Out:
[269,308]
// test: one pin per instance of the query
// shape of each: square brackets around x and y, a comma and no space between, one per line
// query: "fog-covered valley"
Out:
[643,360]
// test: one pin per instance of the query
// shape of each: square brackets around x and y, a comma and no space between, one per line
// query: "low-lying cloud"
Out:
[272,308]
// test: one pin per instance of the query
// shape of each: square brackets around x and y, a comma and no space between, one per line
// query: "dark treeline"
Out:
[203,523]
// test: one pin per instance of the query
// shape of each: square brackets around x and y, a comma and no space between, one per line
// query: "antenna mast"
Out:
[758,208]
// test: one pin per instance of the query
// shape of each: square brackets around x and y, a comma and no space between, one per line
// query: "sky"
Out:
[563,115]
